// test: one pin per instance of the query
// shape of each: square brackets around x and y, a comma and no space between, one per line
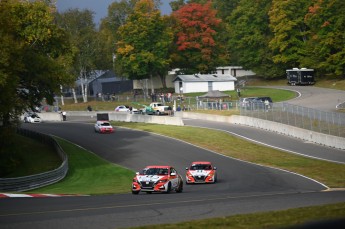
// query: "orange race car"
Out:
[157,178]
[201,172]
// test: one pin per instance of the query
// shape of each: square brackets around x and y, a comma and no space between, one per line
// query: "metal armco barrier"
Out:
[25,183]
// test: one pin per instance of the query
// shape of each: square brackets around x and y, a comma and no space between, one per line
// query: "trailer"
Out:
[302,76]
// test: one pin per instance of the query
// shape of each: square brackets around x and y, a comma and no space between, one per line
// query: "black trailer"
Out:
[302,76]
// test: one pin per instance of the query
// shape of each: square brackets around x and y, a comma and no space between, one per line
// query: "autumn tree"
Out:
[143,44]
[196,39]
[326,43]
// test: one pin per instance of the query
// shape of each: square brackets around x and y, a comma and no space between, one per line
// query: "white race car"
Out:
[122,108]
[157,178]
[103,127]
[32,118]
[201,172]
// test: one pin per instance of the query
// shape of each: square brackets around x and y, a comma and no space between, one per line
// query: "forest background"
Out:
[43,51]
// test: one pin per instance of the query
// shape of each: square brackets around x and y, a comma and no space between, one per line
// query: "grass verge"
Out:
[21,158]
[312,217]
[89,174]
[330,174]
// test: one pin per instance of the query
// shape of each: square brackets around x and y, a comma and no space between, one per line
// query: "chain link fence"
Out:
[330,123]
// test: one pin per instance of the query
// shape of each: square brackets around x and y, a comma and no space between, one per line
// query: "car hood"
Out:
[150,178]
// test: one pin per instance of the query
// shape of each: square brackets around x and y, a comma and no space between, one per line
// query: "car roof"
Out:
[201,162]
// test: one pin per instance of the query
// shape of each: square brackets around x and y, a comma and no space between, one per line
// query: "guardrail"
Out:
[26,183]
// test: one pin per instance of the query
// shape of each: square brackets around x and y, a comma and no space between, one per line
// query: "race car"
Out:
[103,127]
[32,118]
[157,178]
[201,172]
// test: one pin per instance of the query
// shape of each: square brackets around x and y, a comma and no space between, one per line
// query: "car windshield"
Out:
[105,124]
[200,167]
[155,171]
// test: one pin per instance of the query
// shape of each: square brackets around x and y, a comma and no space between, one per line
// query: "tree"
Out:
[143,44]
[86,47]
[196,39]
[31,64]
[249,35]
[326,43]
[31,59]
[289,31]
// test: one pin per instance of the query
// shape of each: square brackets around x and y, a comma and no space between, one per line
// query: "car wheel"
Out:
[135,192]
[180,187]
[169,188]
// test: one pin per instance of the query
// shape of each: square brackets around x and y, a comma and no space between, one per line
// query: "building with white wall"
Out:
[204,83]
[236,71]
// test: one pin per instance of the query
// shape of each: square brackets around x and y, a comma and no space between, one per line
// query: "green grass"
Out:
[331,174]
[22,158]
[89,174]
[267,220]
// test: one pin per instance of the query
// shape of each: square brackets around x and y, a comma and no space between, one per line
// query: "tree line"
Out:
[43,50]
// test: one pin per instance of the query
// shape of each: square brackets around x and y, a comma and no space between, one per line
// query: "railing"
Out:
[330,123]
[38,180]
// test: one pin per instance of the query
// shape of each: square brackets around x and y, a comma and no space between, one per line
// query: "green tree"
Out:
[31,64]
[326,43]
[86,46]
[142,50]
[198,49]
[31,59]
[289,31]
[249,34]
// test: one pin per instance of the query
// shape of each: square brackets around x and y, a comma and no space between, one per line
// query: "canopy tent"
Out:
[214,95]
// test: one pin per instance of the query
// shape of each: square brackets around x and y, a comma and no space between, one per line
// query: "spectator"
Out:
[89,108]
[64,115]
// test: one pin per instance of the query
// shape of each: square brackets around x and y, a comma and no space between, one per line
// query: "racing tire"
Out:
[135,192]
[180,188]
[169,188]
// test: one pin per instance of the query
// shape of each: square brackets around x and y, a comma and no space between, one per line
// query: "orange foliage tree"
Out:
[197,49]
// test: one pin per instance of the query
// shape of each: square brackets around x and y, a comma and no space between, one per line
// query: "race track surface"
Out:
[242,187]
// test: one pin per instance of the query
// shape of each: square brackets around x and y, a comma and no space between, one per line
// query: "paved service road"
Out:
[317,98]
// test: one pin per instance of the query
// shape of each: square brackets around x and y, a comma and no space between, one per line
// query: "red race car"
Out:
[157,178]
[201,172]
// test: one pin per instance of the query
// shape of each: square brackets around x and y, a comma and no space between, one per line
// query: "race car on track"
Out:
[103,127]
[201,172]
[32,118]
[157,178]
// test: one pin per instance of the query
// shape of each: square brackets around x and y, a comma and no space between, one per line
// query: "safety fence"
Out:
[331,123]
[25,183]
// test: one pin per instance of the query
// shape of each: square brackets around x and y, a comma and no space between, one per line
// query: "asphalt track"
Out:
[242,187]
